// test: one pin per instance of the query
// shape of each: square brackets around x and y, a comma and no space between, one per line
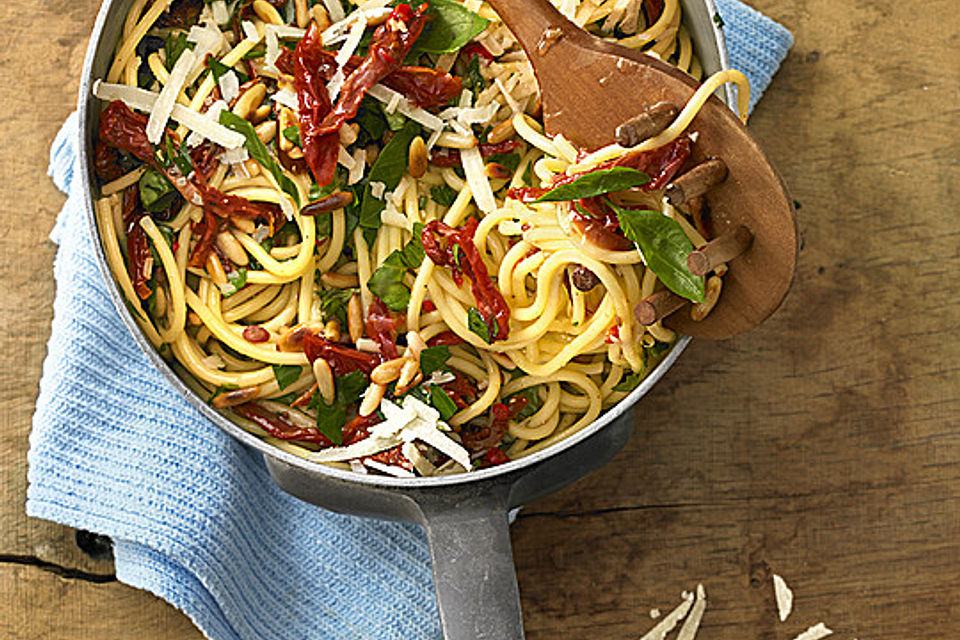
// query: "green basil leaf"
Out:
[330,418]
[509,160]
[395,120]
[533,402]
[596,183]
[477,324]
[452,26]
[255,53]
[472,78]
[218,69]
[178,156]
[286,398]
[388,169]
[258,151]
[434,359]
[286,374]
[174,47]
[629,382]
[350,387]
[442,402]
[156,192]
[292,133]
[372,122]
[665,248]
[333,304]
[443,195]
[386,283]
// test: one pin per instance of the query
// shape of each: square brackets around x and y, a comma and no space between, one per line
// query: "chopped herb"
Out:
[478,325]
[532,394]
[286,398]
[442,402]
[292,133]
[451,26]
[629,382]
[177,156]
[286,374]
[395,121]
[443,195]
[258,151]
[596,183]
[434,359]
[332,418]
[372,122]
[174,47]
[717,20]
[255,53]
[387,281]
[388,169]
[236,281]
[528,174]
[665,248]
[156,192]
[472,78]
[218,69]
[456,255]
[333,304]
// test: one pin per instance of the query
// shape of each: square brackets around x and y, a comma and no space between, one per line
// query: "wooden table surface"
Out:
[823,446]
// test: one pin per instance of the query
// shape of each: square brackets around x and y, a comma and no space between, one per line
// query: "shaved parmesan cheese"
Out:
[815,632]
[286,31]
[213,361]
[665,626]
[229,86]
[343,55]
[366,447]
[476,174]
[356,173]
[689,629]
[377,189]
[385,95]
[235,156]
[288,98]
[144,100]
[432,140]
[784,597]
[439,377]
[513,104]
[368,345]
[163,106]
[220,13]
[286,206]
[273,49]
[390,216]
[357,467]
[250,31]
[389,469]
[212,114]
[445,61]
[345,158]
[412,453]
[394,103]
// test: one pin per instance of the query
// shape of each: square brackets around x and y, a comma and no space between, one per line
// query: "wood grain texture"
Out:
[822,446]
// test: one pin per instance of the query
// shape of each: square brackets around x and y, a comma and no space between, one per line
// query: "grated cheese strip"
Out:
[476,174]
[689,629]
[427,119]
[144,100]
[784,597]
[389,469]
[163,106]
[665,626]
[816,632]
[343,55]
[250,31]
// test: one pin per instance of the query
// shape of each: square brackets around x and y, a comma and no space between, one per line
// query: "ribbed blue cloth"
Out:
[194,516]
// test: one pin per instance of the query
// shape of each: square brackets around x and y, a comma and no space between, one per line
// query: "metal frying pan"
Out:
[465,516]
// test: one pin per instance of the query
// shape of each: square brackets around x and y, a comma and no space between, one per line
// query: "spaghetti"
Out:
[355,234]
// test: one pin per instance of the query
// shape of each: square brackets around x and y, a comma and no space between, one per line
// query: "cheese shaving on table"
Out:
[816,632]
[784,597]
[144,100]
[665,626]
[167,98]
[689,629]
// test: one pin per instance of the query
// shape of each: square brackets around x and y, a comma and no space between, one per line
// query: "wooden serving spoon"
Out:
[589,87]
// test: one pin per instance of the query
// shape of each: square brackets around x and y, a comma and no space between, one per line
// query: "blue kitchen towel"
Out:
[194,516]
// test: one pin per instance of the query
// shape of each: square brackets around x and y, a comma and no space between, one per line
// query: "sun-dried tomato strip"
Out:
[342,360]
[311,70]
[138,251]
[446,157]
[445,338]
[126,130]
[381,326]
[490,302]
[661,164]
[391,43]
[279,425]
[206,232]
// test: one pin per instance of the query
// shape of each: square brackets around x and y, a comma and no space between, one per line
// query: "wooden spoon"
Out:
[589,87]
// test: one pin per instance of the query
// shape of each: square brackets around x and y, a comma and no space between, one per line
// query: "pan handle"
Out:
[473,572]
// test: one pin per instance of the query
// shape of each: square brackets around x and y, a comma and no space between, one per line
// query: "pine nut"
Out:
[260,114]
[497,171]
[253,169]
[266,12]
[326,204]
[319,14]
[387,372]
[700,310]
[409,371]
[372,152]
[417,157]
[215,269]
[417,379]
[232,248]
[331,331]
[251,99]
[501,132]
[295,153]
[339,280]
[266,131]
[456,141]
[235,396]
[292,339]
[193,319]
[301,12]
[324,376]
[415,343]
[354,318]
[287,120]
[371,399]
[247,226]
